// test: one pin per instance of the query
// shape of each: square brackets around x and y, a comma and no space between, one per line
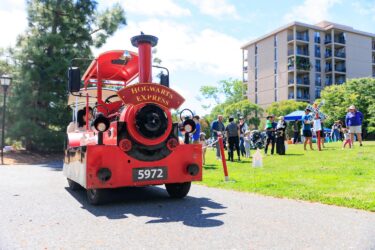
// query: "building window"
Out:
[275,40]
[317,66]
[317,92]
[256,61]
[317,51]
[256,98]
[256,73]
[275,95]
[317,37]
[275,58]
[275,81]
[256,86]
[256,49]
[275,71]
[318,80]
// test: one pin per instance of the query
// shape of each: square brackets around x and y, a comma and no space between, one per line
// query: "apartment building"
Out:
[298,60]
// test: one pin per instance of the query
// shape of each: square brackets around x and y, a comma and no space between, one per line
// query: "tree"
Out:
[334,103]
[248,110]
[231,90]
[58,31]
[283,108]
[360,92]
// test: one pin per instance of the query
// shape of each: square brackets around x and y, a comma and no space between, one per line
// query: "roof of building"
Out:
[322,26]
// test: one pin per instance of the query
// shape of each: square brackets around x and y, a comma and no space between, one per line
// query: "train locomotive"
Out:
[131,140]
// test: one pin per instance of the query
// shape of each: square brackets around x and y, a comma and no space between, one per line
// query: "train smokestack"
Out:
[144,43]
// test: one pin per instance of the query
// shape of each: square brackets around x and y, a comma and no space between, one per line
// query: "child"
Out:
[202,140]
[346,138]
[268,123]
[247,143]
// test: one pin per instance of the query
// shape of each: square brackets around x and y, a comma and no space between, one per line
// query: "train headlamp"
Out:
[101,123]
[189,125]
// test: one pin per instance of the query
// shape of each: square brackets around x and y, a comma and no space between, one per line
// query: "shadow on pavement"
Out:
[153,202]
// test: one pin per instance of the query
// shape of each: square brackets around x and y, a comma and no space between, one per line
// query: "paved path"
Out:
[37,211]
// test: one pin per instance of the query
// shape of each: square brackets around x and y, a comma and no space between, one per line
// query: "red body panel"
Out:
[121,166]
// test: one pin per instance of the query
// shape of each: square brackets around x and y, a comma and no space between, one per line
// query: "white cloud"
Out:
[311,11]
[182,47]
[216,8]
[165,8]
[365,9]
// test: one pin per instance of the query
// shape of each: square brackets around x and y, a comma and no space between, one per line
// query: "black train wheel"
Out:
[96,196]
[178,190]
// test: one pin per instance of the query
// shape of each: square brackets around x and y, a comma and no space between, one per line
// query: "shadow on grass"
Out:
[154,203]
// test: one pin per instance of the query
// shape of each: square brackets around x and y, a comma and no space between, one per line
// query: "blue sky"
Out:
[199,40]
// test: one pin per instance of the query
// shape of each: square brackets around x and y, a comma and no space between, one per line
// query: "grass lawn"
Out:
[332,176]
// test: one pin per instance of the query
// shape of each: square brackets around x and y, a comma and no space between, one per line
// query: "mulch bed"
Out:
[22,157]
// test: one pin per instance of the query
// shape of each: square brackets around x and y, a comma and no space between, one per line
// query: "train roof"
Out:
[114,65]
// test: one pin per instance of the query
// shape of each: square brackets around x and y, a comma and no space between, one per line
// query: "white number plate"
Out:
[148,174]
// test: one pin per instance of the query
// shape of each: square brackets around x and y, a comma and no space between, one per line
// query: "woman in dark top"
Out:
[280,136]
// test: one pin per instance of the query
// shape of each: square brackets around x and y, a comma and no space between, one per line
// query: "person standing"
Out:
[243,129]
[306,128]
[280,136]
[353,120]
[233,135]
[197,131]
[270,131]
[202,140]
[295,132]
[217,128]
[335,134]
[347,139]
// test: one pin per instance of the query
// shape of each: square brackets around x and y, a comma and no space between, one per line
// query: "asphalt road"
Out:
[37,211]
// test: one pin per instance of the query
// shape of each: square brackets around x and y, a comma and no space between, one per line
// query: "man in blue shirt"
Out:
[197,131]
[306,128]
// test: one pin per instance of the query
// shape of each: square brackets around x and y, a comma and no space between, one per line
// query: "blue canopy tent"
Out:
[294,116]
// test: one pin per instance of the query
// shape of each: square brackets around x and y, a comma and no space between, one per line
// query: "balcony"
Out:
[340,39]
[373,60]
[290,52]
[291,96]
[373,46]
[327,40]
[328,68]
[317,39]
[328,81]
[340,80]
[340,54]
[301,62]
[328,54]
[303,97]
[290,81]
[303,81]
[340,68]
[290,37]
[302,52]
[302,36]
[318,82]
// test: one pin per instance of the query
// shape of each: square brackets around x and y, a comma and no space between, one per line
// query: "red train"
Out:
[131,140]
